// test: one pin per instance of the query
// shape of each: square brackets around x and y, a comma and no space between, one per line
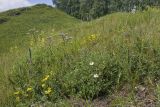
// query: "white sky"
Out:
[11,4]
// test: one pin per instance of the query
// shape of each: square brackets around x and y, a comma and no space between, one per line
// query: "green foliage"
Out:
[128,5]
[18,33]
[83,9]
[91,9]
[17,25]
[95,61]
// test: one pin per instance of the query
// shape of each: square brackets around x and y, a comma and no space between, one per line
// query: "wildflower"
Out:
[29,89]
[42,42]
[91,63]
[92,37]
[17,99]
[95,75]
[43,85]
[17,92]
[48,91]
[46,78]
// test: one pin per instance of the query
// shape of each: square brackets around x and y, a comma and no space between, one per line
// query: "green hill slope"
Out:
[111,61]
[115,57]
[17,26]
[20,27]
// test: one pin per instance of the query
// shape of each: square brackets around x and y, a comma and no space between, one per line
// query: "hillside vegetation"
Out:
[92,9]
[20,25]
[111,61]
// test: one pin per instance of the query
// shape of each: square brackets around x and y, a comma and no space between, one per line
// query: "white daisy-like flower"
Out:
[91,63]
[95,75]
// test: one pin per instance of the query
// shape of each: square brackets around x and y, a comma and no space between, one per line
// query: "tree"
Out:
[91,9]
[83,9]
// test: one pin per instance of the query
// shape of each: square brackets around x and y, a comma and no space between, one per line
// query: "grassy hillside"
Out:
[23,28]
[111,61]
[17,26]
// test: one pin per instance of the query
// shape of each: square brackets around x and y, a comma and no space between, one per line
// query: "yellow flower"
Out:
[17,99]
[48,91]
[29,89]
[42,42]
[17,93]
[43,85]
[45,79]
[92,37]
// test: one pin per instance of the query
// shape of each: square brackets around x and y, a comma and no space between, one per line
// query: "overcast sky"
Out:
[11,4]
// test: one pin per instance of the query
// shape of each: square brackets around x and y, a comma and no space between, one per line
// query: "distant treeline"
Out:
[91,9]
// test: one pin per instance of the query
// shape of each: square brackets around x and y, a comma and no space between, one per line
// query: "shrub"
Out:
[3,20]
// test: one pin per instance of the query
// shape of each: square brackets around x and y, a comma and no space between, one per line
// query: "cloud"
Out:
[11,4]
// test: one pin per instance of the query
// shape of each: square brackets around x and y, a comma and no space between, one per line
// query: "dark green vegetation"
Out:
[91,9]
[17,26]
[116,57]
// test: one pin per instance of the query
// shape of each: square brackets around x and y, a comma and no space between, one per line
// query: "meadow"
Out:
[110,61]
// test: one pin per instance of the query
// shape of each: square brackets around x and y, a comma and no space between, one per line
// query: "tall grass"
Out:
[19,31]
[101,57]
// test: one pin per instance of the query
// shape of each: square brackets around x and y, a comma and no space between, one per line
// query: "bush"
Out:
[3,20]
[13,13]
